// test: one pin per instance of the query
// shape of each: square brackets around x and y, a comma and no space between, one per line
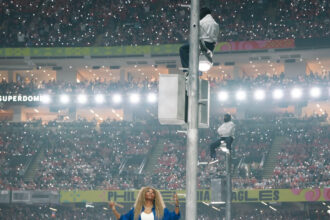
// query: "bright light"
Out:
[99,98]
[204,64]
[315,92]
[259,94]
[116,98]
[82,99]
[278,94]
[152,97]
[240,95]
[223,96]
[134,98]
[64,99]
[296,93]
[45,99]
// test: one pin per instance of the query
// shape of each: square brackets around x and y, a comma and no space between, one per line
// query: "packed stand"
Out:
[270,82]
[84,155]
[81,157]
[18,146]
[169,172]
[100,211]
[304,159]
[88,87]
[67,23]
[253,140]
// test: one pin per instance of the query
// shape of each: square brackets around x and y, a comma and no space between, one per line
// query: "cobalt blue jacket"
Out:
[167,215]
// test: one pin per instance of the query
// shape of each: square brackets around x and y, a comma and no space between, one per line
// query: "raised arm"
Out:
[177,205]
[113,208]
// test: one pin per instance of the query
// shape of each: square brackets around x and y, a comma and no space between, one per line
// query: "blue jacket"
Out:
[167,215]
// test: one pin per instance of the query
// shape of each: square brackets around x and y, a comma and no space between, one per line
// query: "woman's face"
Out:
[150,194]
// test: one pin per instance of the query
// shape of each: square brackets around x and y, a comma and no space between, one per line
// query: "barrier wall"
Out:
[239,196]
[123,196]
[166,49]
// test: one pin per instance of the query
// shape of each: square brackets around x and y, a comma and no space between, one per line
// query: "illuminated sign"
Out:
[19,98]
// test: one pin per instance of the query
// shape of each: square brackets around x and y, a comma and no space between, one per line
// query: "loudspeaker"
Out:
[172,99]
[218,191]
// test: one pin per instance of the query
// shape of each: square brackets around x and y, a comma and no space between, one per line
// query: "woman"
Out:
[149,205]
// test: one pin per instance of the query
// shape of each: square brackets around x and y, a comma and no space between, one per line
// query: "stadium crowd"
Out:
[68,212]
[82,155]
[64,23]
[273,81]
[88,87]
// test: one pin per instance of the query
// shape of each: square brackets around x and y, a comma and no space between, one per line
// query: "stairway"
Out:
[33,167]
[98,40]
[155,153]
[271,160]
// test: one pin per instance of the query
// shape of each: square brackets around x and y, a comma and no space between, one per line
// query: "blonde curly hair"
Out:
[158,203]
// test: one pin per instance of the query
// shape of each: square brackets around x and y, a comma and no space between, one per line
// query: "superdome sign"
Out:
[20,98]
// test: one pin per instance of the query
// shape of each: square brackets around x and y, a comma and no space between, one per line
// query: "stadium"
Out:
[82,103]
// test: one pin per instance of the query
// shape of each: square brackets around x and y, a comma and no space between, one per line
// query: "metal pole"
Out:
[229,189]
[192,134]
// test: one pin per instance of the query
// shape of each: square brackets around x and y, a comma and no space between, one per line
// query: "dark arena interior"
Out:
[81,97]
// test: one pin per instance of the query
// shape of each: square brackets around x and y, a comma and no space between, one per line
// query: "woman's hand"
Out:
[112,205]
[176,199]
[177,205]
[113,208]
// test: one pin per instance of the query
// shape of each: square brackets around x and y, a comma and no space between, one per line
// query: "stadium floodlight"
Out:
[223,96]
[99,98]
[204,64]
[45,99]
[134,98]
[315,92]
[240,95]
[152,97]
[296,93]
[64,99]
[278,94]
[116,98]
[82,99]
[259,94]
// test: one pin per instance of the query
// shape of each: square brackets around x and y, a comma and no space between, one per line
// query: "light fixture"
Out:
[64,99]
[82,99]
[45,99]
[99,98]
[205,64]
[152,97]
[278,94]
[223,96]
[315,92]
[116,98]
[240,95]
[296,93]
[134,98]
[259,95]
